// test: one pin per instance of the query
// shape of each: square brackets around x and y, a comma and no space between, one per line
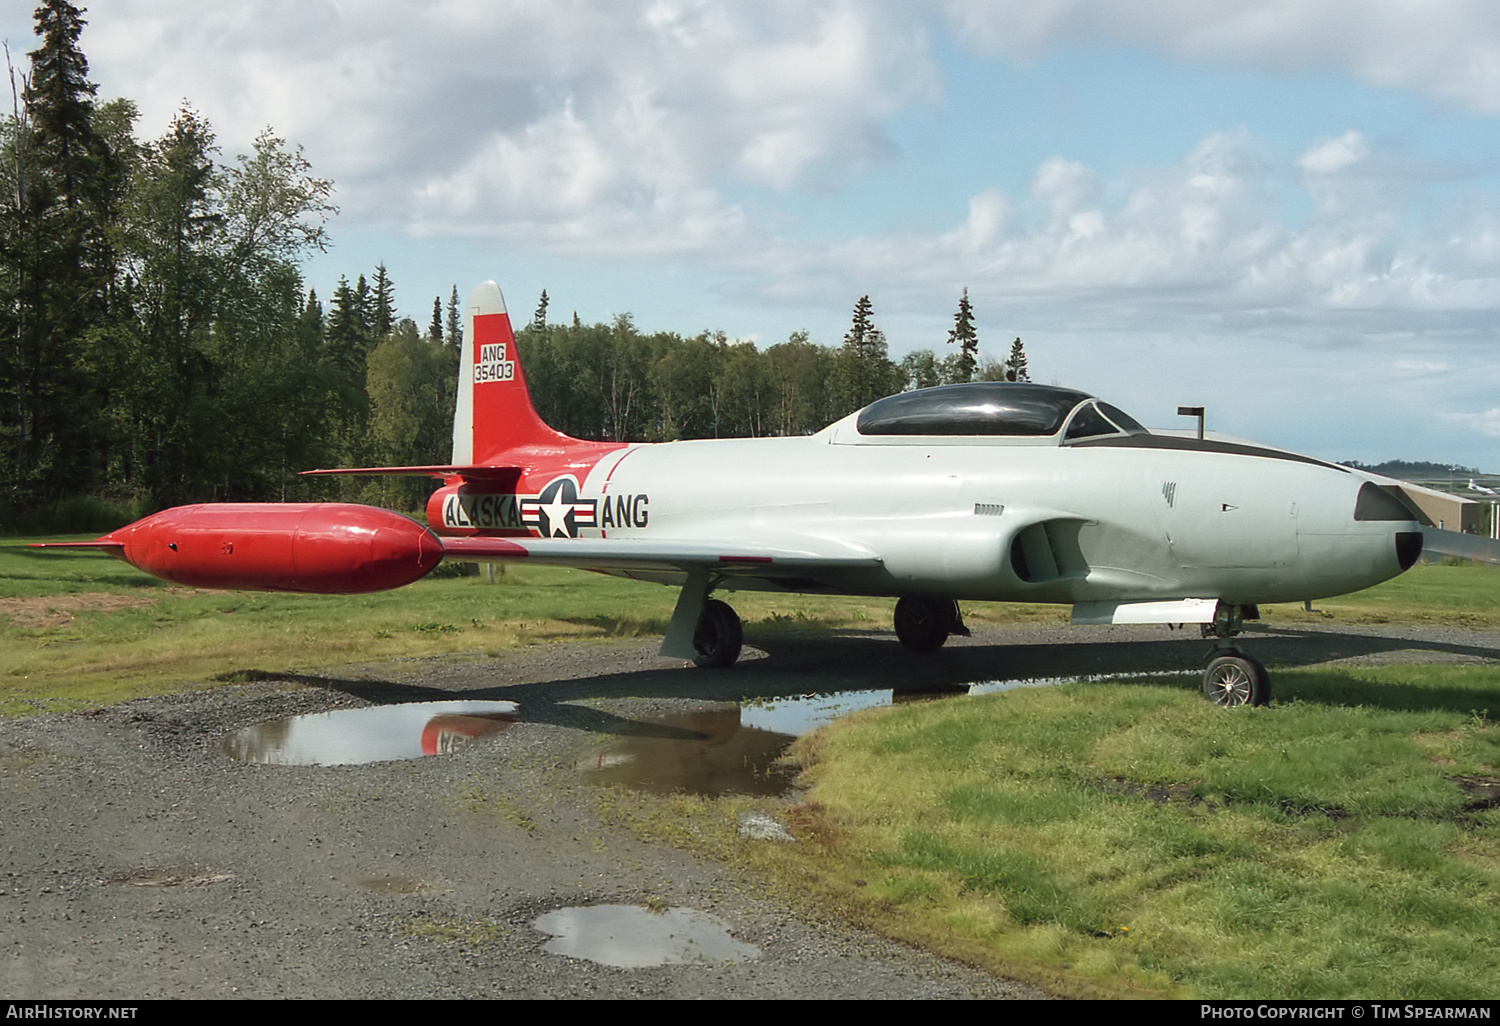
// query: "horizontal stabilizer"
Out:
[1463,546]
[440,470]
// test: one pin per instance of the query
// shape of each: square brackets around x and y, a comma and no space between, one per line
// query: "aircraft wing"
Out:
[803,560]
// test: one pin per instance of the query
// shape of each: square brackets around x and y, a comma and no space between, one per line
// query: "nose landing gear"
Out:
[1233,677]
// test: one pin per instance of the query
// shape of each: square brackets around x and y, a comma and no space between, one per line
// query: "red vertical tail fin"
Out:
[495,423]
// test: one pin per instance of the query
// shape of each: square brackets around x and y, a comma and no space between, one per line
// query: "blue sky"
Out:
[1286,212]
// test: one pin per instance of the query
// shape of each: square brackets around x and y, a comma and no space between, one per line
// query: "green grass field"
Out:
[1093,838]
[1112,840]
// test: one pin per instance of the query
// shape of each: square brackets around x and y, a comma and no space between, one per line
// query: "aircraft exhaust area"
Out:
[146,858]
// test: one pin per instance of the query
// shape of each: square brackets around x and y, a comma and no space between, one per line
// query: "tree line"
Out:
[158,344]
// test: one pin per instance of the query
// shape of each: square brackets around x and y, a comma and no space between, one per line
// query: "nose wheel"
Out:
[1234,678]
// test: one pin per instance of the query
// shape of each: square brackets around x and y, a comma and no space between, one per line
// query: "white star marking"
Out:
[557,515]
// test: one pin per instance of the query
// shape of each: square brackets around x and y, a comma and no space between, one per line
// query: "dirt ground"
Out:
[138,861]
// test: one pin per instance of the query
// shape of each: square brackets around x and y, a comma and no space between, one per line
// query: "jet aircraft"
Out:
[993,492]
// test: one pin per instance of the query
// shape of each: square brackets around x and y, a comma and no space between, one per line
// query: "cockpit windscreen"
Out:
[978,408]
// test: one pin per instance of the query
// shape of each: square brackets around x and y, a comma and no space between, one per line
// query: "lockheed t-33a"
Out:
[995,492]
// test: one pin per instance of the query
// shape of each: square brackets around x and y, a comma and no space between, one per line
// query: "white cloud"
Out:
[1335,155]
[1424,367]
[1486,423]
[1444,48]
[638,128]
[456,114]
[1065,187]
[1190,248]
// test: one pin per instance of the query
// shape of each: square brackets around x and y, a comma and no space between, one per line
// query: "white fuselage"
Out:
[999,519]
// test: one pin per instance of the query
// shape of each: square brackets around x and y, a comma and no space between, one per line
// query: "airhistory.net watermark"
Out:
[67,1010]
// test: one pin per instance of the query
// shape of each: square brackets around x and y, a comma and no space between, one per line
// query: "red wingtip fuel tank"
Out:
[321,547]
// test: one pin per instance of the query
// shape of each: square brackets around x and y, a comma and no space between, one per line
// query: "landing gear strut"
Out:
[1233,677]
[923,624]
[718,636]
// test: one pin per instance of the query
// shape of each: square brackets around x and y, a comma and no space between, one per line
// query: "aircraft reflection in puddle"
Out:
[382,733]
[729,751]
[628,937]
[709,752]
[736,751]
[806,713]
[725,751]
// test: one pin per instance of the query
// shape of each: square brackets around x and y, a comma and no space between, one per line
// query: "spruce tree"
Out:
[362,310]
[60,265]
[865,373]
[435,329]
[539,319]
[348,343]
[312,316]
[967,358]
[1017,362]
[455,326]
[60,101]
[863,338]
[383,316]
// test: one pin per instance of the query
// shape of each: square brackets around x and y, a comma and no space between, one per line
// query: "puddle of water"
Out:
[990,687]
[348,737]
[709,753]
[805,713]
[796,716]
[735,751]
[629,937]
[801,714]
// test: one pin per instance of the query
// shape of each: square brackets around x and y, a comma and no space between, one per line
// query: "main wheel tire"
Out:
[719,635]
[923,624]
[1233,680]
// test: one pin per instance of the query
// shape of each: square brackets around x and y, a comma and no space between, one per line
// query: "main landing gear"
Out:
[1233,677]
[923,624]
[718,636]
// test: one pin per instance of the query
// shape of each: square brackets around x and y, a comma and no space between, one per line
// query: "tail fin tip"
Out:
[486,299]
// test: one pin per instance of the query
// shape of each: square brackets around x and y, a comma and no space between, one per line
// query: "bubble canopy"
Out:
[995,408]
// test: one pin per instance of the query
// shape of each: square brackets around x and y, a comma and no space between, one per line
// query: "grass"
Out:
[454,931]
[1110,841]
[1456,595]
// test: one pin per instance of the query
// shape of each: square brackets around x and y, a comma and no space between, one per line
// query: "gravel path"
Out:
[139,862]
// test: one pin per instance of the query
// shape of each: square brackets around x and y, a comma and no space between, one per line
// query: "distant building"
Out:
[1449,512]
